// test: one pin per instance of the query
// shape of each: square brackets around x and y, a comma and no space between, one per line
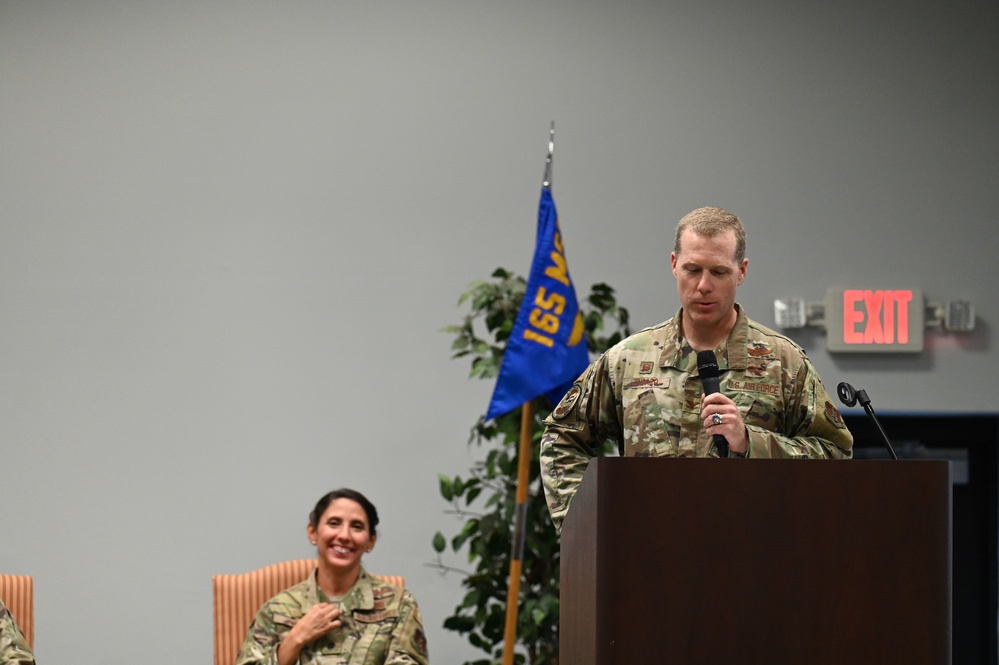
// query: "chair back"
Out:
[237,598]
[18,593]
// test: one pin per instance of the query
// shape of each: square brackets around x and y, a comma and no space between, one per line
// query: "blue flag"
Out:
[546,351]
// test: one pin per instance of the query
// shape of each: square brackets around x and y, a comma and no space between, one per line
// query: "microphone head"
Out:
[707,364]
[847,393]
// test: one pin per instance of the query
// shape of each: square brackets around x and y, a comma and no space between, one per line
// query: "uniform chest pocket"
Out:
[651,423]
[763,413]
[375,633]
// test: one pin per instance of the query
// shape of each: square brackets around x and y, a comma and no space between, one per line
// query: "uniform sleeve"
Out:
[585,419]
[408,645]
[13,646]
[813,427]
[262,640]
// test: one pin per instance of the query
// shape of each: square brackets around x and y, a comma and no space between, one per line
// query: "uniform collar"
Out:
[732,354]
[359,597]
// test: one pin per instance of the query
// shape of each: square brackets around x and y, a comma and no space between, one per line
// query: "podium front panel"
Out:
[707,561]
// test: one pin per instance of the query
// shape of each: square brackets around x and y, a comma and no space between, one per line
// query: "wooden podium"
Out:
[776,562]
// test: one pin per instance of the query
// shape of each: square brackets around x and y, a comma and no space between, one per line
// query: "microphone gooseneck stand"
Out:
[850,396]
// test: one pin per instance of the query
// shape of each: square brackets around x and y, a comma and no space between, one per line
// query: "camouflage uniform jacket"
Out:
[13,647]
[644,394]
[381,626]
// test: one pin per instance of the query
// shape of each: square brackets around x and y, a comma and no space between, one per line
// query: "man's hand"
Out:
[721,416]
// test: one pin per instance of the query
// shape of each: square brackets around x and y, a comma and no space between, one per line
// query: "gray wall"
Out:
[230,233]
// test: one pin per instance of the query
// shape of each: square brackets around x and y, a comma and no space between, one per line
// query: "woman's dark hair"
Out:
[344,493]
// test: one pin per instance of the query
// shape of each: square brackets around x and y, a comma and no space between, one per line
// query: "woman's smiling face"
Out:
[342,536]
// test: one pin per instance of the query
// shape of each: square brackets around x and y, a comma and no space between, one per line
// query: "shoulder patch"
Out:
[832,415]
[568,402]
[420,642]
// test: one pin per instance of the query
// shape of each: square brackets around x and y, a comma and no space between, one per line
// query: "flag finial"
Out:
[547,182]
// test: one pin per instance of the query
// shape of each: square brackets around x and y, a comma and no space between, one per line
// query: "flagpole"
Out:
[519,533]
[524,458]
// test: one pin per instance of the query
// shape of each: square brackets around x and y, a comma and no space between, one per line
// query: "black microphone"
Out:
[850,396]
[707,369]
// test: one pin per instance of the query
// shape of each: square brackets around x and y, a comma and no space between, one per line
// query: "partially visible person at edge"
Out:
[645,393]
[14,649]
[339,614]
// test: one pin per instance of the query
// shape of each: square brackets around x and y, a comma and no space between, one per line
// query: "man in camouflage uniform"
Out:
[13,647]
[645,393]
[380,625]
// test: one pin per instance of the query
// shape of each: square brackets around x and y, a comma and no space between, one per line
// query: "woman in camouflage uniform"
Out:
[339,615]
[13,647]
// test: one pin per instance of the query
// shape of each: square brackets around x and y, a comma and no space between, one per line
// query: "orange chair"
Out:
[18,594]
[237,598]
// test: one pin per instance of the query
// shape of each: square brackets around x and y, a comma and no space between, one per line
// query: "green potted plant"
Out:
[484,501]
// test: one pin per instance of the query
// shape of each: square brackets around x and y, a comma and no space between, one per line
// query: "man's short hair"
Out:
[710,221]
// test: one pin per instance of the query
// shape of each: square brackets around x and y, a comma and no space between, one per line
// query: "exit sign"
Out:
[875,320]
